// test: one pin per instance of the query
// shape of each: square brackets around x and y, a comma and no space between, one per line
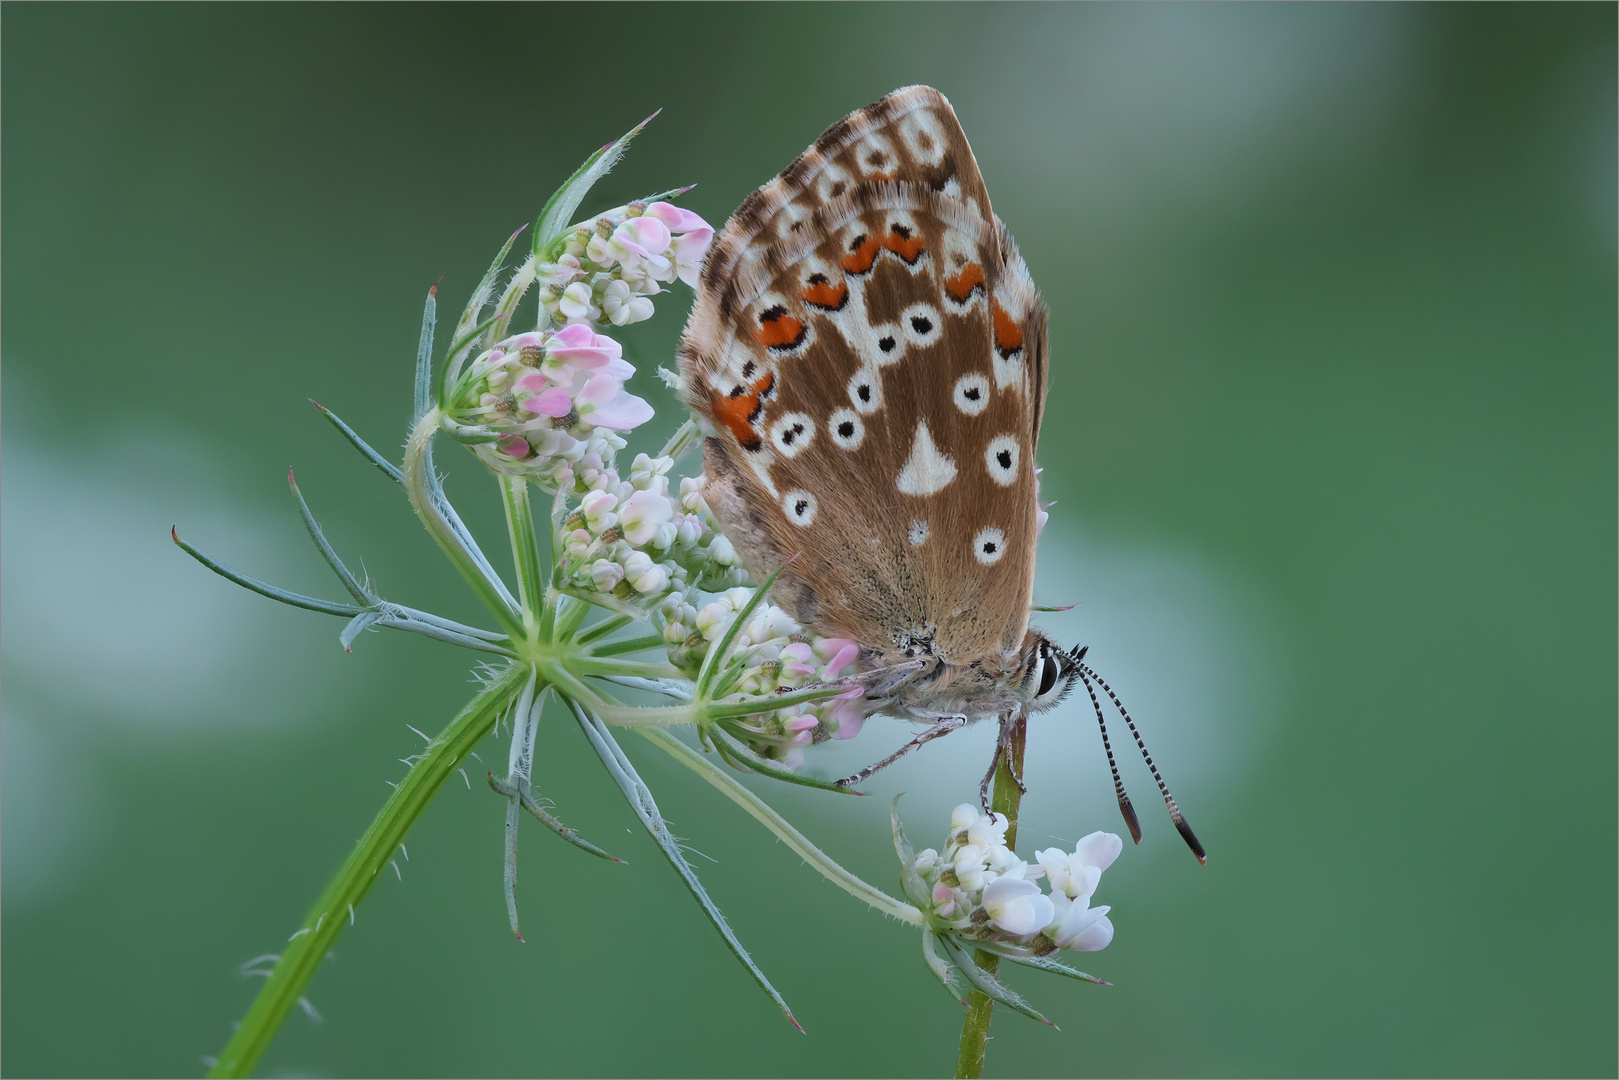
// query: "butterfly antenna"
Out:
[1125,808]
[1169,800]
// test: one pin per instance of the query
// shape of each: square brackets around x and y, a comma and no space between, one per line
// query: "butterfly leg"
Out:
[880,682]
[1003,752]
[944,726]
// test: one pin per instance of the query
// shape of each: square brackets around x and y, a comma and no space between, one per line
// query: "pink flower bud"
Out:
[581,347]
[553,401]
[676,219]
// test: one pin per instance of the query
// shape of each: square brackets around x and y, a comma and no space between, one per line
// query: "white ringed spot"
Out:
[989,545]
[972,394]
[885,344]
[866,391]
[918,534]
[1001,456]
[800,507]
[792,433]
[921,324]
[845,429]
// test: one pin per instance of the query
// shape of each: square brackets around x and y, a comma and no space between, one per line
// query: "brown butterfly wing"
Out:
[910,135]
[873,382]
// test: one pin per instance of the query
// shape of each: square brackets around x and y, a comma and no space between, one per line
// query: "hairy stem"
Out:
[980,1006]
[422,487]
[334,910]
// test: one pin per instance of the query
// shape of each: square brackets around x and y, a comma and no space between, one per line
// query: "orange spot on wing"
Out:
[903,242]
[1008,334]
[862,253]
[960,286]
[823,294]
[737,410]
[779,330]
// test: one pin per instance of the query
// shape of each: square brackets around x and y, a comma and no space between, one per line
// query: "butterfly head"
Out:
[1049,672]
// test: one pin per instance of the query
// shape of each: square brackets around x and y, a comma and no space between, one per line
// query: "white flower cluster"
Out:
[549,399]
[979,888]
[605,272]
[771,654]
[630,538]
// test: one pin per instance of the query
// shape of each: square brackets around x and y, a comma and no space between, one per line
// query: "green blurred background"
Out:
[1332,432]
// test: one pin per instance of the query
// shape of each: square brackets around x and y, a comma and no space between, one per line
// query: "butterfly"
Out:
[867,356]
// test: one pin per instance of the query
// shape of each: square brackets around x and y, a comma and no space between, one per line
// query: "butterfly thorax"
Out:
[986,686]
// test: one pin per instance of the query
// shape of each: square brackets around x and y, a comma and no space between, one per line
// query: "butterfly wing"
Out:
[870,359]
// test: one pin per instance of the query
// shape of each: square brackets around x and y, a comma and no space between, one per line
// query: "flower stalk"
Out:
[333,912]
[1005,798]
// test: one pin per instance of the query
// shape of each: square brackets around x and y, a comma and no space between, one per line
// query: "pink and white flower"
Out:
[642,516]
[604,403]
[1076,926]
[1017,905]
[1077,873]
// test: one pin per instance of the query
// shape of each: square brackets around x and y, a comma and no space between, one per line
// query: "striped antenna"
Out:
[1169,800]
[1125,808]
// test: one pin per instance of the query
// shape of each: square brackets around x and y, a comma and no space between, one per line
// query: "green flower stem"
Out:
[628,645]
[420,485]
[335,908]
[525,549]
[570,616]
[649,716]
[980,1006]
[612,665]
[610,625]
[753,706]
[777,824]
[575,687]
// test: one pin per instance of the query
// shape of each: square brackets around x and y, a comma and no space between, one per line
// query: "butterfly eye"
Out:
[1050,672]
